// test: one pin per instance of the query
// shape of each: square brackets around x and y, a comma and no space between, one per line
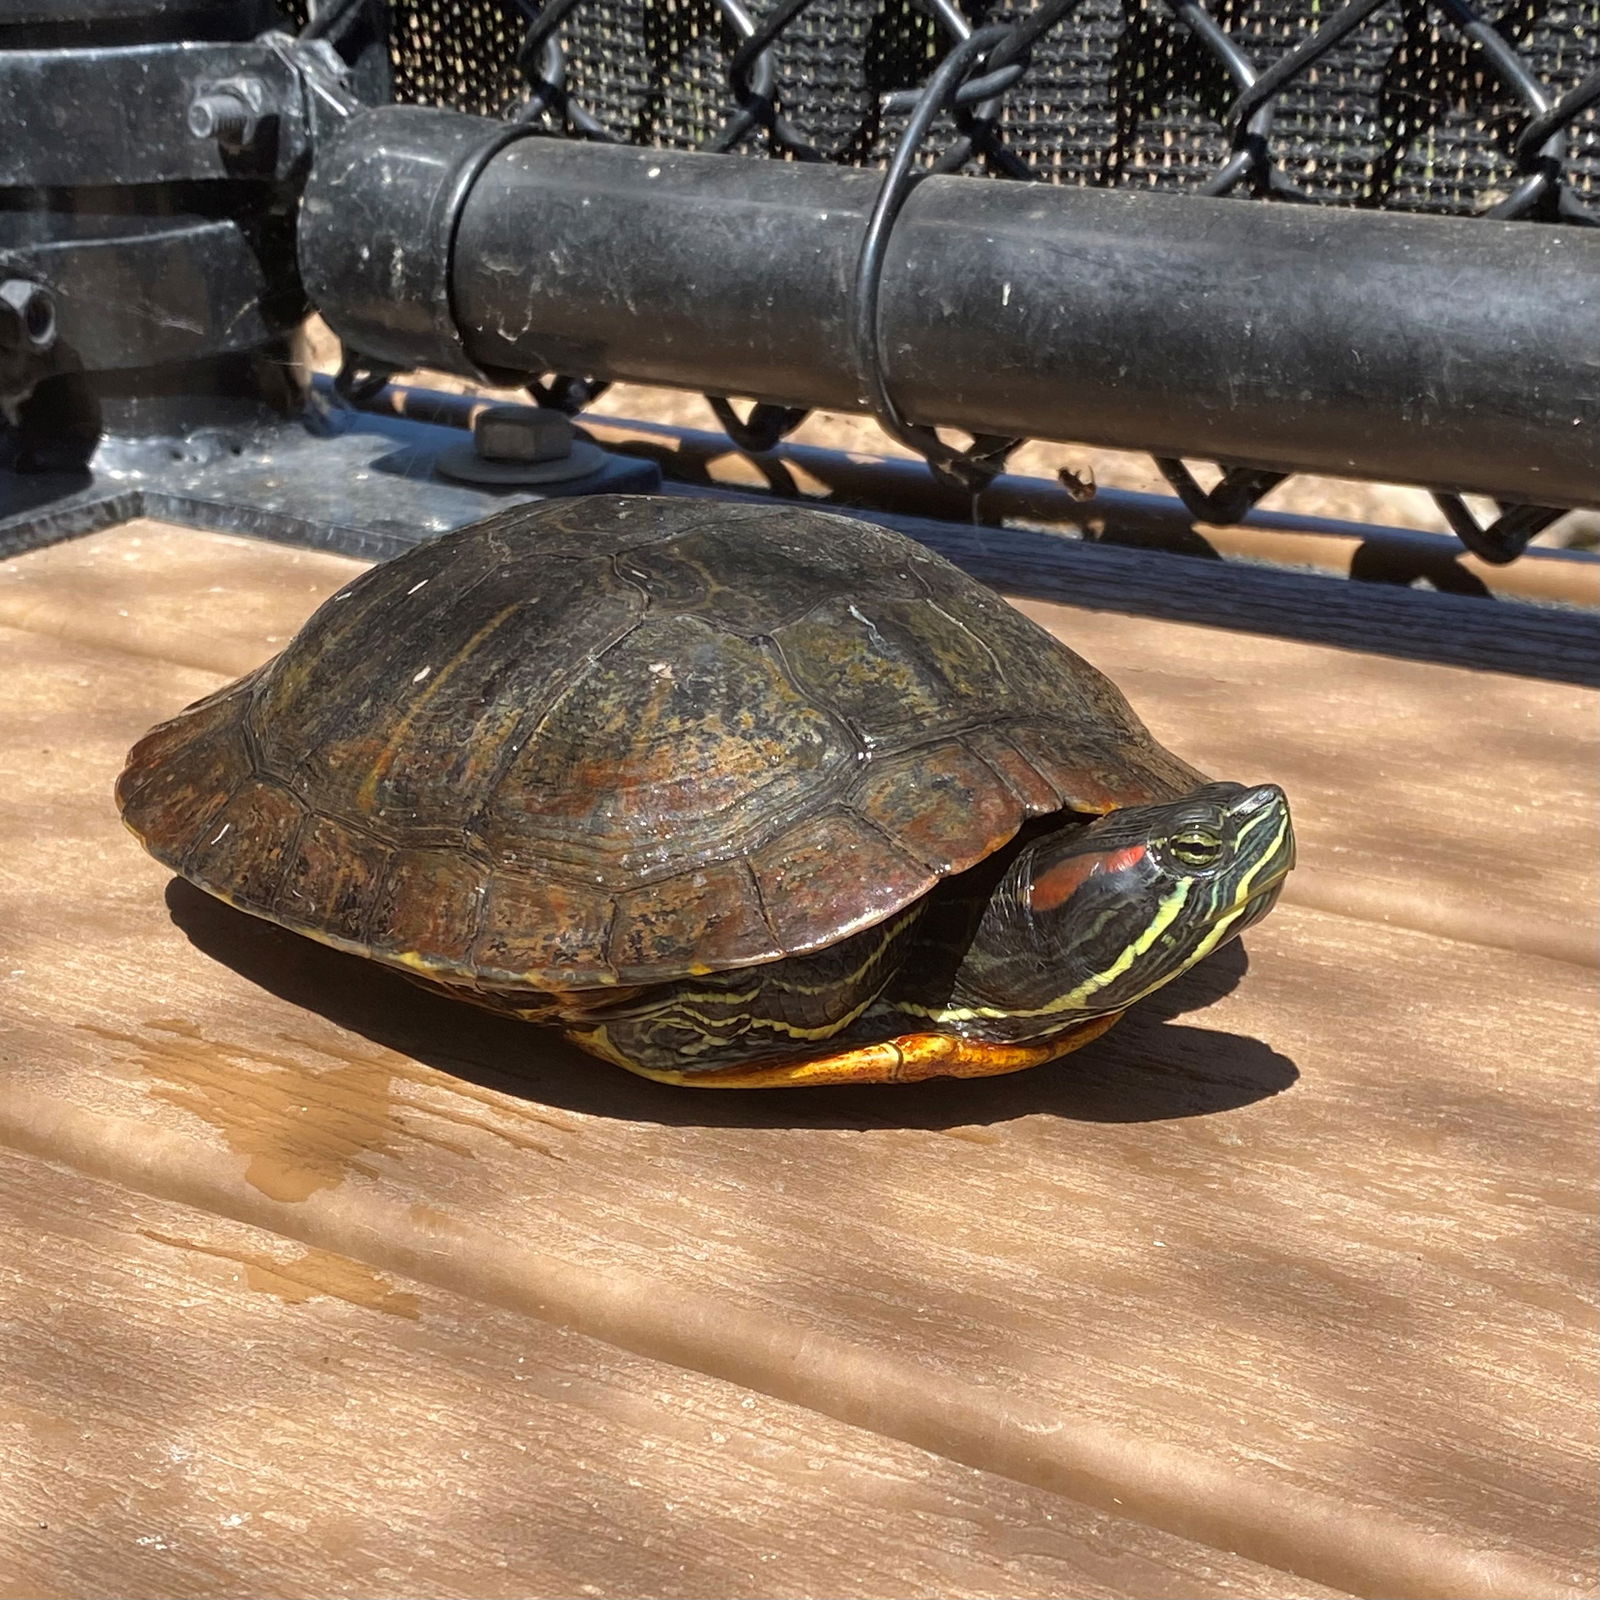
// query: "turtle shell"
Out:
[625,739]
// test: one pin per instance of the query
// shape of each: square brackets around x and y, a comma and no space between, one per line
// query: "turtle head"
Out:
[1088,919]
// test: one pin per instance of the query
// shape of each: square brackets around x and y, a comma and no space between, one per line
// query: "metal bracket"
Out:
[350,480]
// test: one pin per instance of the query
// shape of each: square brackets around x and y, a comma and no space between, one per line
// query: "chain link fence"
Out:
[1422,106]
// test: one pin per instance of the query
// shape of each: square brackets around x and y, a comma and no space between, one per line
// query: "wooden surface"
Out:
[315,1284]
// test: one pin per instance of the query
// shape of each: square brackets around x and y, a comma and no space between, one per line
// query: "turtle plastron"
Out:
[910,1058]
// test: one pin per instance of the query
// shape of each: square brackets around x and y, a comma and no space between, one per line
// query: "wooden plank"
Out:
[215,602]
[1555,643]
[1211,1321]
[192,1407]
[1338,1323]
[1354,1312]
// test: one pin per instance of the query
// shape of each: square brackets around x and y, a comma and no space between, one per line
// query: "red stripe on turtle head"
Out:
[1056,885]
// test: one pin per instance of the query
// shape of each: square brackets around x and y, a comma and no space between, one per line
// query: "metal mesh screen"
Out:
[1404,113]
[1407,111]
[444,53]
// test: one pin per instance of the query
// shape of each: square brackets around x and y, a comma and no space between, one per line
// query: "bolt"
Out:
[223,117]
[27,315]
[229,112]
[521,433]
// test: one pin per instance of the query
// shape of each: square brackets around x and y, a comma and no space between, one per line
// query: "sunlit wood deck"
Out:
[313,1285]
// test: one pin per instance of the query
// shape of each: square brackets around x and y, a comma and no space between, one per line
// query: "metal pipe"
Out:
[1445,352]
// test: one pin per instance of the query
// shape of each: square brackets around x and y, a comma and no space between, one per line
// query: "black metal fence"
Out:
[1430,106]
[1402,104]
[1267,235]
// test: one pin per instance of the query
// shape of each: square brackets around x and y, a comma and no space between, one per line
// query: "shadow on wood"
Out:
[1145,1070]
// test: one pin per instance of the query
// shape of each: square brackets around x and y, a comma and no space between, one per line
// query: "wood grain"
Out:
[1296,1263]
[214,1410]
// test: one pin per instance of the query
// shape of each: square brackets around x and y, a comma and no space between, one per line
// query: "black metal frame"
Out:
[1272,338]
[184,397]
[152,157]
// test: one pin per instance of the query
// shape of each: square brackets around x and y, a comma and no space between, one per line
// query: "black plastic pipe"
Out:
[1455,353]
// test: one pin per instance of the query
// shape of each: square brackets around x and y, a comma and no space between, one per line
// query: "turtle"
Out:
[735,795]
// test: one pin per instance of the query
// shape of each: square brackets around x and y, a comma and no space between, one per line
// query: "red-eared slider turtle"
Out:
[736,796]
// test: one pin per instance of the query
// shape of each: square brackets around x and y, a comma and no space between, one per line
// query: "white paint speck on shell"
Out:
[414,587]
[219,833]
[867,623]
[417,677]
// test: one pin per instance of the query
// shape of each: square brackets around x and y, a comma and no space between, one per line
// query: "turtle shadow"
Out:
[1149,1068]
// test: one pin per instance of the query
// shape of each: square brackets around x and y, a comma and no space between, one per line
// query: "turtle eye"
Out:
[1196,848]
